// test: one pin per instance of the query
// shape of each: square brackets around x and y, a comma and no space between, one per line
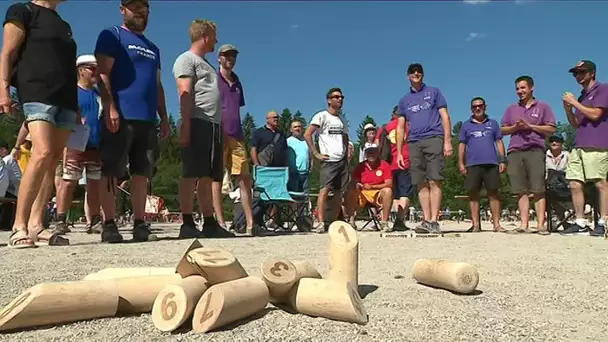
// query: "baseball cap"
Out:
[583,65]
[370,147]
[368,126]
[415,67]
[86,59]
[227,47]
[556,137]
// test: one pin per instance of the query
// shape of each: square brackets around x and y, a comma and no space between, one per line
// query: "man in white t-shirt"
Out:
[333,147]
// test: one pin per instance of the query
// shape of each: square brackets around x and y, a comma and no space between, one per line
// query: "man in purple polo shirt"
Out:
[235,155]
[429,139]
[528,122]
[589,158]
[481,158]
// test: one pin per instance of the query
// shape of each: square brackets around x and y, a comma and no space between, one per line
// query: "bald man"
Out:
[269,144]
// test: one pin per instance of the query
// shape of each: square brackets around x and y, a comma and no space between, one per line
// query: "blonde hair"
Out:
[201,28]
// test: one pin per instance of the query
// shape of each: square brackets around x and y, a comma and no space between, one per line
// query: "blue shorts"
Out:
[298,182]
[59,117]
[402,184]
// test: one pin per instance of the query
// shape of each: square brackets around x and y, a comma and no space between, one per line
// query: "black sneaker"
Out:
[423,228]
[435,228]
[61,228]
[142,233]
[212,230]
[573,229]
[110,233]
[189,231]
[599,230]
[400,226]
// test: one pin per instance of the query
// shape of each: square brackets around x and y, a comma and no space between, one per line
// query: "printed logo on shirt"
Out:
[427,95]
[335,129]
[379,173]
[418,107]
[142,51]
[535,112]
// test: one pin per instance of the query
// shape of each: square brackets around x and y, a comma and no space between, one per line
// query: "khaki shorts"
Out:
[235,157]
[587,165]
[526,170]
[371,197]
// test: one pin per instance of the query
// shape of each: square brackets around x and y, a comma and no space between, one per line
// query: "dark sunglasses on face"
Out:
[273,117]
[338,97]
[477,106]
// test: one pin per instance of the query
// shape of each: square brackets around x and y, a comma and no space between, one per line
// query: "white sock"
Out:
[581,222]
[601,222]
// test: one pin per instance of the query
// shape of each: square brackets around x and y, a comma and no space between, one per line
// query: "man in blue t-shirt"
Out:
[75,161]
[132,94]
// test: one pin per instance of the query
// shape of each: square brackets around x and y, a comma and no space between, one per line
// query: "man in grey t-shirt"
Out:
[200,133]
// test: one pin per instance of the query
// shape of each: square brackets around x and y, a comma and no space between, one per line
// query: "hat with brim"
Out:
[370,148]
[368,126]
[557,138]
[583,65]
[86,60]
[227,48]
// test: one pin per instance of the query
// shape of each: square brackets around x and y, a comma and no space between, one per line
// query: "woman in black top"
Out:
[39,59]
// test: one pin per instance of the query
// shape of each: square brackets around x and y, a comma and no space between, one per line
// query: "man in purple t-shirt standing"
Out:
[481,158]
[429,139]
[528,122]
[235,155]
[589,158]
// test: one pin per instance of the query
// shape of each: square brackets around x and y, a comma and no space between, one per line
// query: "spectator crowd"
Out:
[94,116]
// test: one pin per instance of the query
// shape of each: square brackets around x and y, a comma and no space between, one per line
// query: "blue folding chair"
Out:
[291,207]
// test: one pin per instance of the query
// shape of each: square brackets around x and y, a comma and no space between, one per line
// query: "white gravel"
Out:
[534,288]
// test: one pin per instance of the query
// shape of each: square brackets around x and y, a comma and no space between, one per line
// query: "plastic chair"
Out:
[271,185]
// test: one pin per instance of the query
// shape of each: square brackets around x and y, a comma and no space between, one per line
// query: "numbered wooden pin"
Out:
[175,303]
[343,258]
[137,294]
[330,299]
[56,303]
[217,265]
[454,276]
[112,273]
[280,275]
[229,302]
[184,267]
[306,269]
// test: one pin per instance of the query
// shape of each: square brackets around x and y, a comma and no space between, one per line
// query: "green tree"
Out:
[360,133]
[299,117]
[248,125]
[567,132]
[285,119]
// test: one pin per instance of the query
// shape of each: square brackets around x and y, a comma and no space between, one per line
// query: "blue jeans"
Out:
[59,117]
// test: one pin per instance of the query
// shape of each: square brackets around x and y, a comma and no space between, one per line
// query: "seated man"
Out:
[373,181]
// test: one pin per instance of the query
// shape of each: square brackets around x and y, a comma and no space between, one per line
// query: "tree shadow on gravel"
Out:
[364,290]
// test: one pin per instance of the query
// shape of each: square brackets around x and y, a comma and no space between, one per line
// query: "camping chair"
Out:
[374,214]
[291,207]
[558,196]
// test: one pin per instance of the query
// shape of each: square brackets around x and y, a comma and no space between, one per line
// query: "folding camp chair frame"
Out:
[374,217]
[552,202]
[288,211]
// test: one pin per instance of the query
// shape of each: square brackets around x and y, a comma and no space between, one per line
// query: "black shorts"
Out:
[204,156]
[486,175]
[334,175]
[402,184]
[135,144]
[426,160]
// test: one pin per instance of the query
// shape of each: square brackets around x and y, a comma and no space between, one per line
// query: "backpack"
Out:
[385,146]
[13,80]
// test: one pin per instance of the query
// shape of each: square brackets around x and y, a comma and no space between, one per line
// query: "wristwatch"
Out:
[503,160]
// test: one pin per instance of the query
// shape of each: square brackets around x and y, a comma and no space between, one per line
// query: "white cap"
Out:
[368,126]
[370,147]
[86,59]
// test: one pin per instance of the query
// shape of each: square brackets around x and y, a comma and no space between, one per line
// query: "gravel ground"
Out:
[533,288]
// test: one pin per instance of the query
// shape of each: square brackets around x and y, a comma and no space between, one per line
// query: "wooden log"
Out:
[137,294]
[343,256]
[280,276]
[56,303]
[217,265]
[306,269]
[229,302]
[329,299]
[112,273]
[454,276]
[184,267]
[176,302]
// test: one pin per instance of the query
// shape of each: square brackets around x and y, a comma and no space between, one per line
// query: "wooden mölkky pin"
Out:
[454,276]
[175,303]
[343,256]
[280,276]
[216,264]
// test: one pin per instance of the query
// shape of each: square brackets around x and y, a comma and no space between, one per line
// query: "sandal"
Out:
[544,232]
[19,239]
[42,239]
[500,229]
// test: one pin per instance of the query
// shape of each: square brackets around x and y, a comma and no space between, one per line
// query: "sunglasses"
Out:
[477,106]
[339,97]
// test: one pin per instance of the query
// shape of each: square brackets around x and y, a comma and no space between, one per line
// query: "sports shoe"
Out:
[142,232]
[110,233]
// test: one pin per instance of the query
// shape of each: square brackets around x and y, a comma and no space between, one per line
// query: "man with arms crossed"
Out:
[402,181]
[430,140]
[481,158]
[234,155]
[200,130]
[333,146]
[129,79]
[589,157]
[528,122]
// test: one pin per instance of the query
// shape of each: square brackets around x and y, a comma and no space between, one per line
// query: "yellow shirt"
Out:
[24,158]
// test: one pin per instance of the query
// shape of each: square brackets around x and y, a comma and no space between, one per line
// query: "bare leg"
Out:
[386,197]
[435,199]
[92,200]
[474,205]
[203,192]
[523,204]
[494,197]
[321,204]
[540,206]
[216,190]
[107,191]
[424,195]
[186,194]
[602,188]
[245,185]
[139,192]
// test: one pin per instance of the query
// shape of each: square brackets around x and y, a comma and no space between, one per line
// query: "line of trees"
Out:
[166,180]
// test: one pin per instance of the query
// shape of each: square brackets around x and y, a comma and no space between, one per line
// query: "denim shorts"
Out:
[59,117]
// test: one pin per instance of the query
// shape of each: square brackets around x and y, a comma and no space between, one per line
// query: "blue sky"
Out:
[293,52]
